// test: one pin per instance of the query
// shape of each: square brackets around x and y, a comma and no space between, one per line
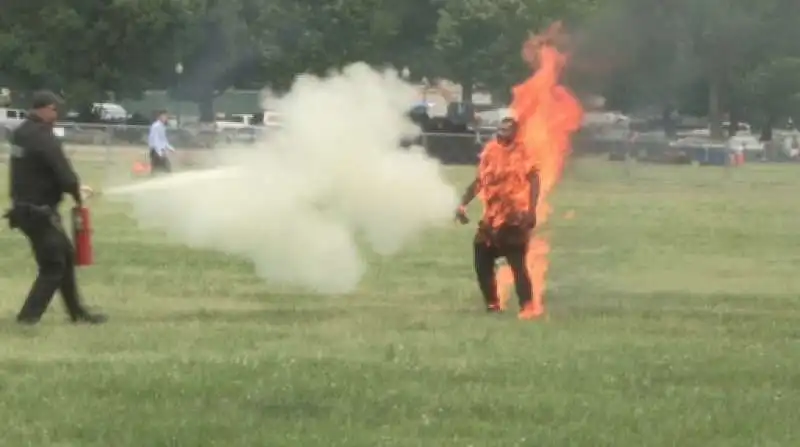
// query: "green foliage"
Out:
[479,41]
[215,47]
[712,56]
[86,48]
[89,48]
[640,52]
[773,88]
[257,43]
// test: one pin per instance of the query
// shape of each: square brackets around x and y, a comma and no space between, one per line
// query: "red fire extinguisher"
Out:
[82,236]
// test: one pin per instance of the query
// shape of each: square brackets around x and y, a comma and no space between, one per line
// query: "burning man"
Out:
[537,143]
[508,185]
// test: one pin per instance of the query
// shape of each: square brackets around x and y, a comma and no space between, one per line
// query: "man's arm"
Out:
[157,139]
[469,193]
[535,182]
[164,140]
[52,152]
[152,140]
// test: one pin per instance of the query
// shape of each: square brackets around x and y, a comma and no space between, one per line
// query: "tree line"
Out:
[715,57]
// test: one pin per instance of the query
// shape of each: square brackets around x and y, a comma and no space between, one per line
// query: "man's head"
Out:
[162,116]
[507,130]
[44,105]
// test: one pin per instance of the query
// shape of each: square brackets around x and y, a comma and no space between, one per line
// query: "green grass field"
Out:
[673,321]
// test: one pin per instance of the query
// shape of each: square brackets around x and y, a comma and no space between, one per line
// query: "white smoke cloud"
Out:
[295,204]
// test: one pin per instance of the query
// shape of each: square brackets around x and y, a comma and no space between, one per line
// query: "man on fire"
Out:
[508,185]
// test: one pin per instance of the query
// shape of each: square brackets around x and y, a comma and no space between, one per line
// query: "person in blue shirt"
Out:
[159,145]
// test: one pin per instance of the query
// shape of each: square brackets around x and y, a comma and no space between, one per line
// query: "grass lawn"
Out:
[674,320]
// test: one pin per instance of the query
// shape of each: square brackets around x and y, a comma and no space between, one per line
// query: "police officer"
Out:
[40,174]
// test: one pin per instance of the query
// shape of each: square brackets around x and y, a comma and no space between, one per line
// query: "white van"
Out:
[109,112]
[11,118]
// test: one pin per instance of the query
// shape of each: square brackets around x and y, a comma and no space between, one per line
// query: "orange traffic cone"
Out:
[140,168]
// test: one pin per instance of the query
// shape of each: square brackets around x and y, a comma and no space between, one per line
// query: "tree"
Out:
[328,34]
[773,90]
[411,45]
[725,37]
[258,43]
[474,40]
[217,49]
[690,50]
[632,52]
[769,88]
[478,41]
[84,48]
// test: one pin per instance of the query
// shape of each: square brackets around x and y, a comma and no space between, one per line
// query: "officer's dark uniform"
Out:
[40,174]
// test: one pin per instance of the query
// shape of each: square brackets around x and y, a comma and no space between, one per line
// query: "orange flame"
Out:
[513,167]
[548,114]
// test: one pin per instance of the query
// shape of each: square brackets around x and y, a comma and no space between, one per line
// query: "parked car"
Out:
[490,119]
[9,120]
[745,143]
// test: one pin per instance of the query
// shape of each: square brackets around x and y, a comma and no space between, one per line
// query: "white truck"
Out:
[11,118]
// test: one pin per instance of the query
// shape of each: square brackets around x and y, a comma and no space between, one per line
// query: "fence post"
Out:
[109,143]
[629,159]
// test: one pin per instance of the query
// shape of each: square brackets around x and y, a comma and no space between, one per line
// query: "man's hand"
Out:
[86,192]
[526,220]
[530,220]
[461,215]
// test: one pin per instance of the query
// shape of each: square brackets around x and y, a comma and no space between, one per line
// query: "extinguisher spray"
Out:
[82,236]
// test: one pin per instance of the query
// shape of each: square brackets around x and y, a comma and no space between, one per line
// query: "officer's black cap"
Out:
[45,98]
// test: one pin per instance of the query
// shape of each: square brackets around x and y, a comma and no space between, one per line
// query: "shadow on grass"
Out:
[9,327]
[267,316]
[270,316]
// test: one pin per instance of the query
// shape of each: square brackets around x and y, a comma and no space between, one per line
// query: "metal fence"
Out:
[449,148]
[112,141]
[132,135]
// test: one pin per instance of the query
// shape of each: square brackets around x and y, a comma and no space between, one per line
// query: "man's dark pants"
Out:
[55,257]
[510,242]
[159,163]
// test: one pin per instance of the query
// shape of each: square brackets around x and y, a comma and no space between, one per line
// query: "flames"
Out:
[548,114]
[504,183]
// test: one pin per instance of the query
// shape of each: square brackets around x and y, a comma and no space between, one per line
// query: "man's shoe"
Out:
[89,318]
[494,308]
[531,311]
